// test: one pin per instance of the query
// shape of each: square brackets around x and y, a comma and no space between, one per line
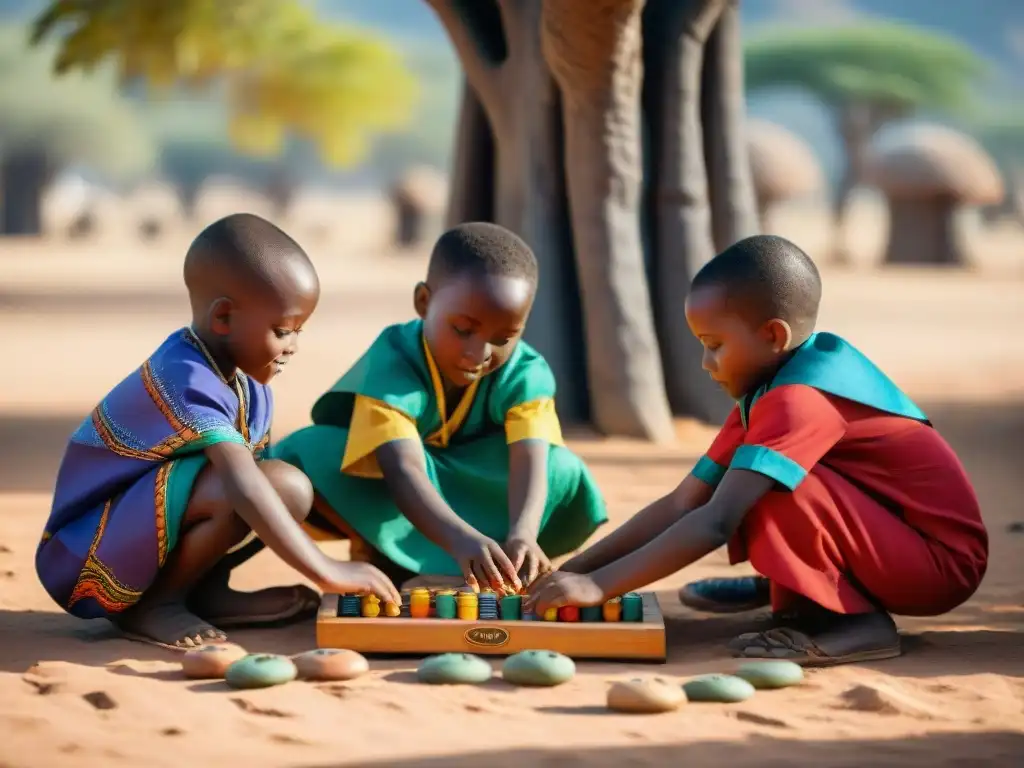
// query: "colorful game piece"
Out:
[370,606]
[723,689]
[612,610]
[330,664]
[211,662]
[445,606]
[550,614]
[538,668]
[645,695]
[488,605]
[591,613]
[568,613]
[454,669]
[260,671]
[392,610]
[350,605]
[771,674]
[468,606]
[632,607]
[419,603]
[511,607]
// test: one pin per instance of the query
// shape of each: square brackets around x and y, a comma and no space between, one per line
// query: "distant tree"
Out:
[868,74]
[284,73]
[1002,134]
[47,124]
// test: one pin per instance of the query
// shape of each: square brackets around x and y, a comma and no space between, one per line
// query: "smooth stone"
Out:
[645,695]
[260,670]
[330,664]
[724,689]
[538,668]
[211,662]
[771,674]
[454,669]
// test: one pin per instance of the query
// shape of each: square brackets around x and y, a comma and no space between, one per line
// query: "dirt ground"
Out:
[78,318]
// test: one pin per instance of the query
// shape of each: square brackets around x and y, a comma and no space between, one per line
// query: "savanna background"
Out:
[886,138]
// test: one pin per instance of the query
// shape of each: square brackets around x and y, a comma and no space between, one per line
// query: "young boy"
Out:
[825,476]
[440,450]
[165,476]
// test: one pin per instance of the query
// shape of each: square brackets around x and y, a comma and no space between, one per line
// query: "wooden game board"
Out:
[635,641]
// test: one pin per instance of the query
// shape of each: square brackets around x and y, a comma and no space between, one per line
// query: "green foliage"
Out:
[895,66]
[71,120]
[285,72]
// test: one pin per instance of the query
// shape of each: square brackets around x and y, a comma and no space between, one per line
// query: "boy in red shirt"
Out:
[826,476]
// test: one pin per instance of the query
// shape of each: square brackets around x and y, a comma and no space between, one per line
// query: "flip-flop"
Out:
[305,604]
[788,644]
[731,595]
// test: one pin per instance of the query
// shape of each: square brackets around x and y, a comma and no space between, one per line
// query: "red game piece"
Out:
[568,613]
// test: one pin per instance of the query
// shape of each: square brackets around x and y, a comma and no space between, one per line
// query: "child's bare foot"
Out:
[831,638]
[219,604]
[168,624]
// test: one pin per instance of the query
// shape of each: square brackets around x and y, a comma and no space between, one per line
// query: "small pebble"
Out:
[645,695]
[771,674]
[260,671]
[538,668]
[211,662]
[330,664]
[454,669]
[723,689]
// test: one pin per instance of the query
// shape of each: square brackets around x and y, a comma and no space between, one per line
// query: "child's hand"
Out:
[561,588]
[484,562]
[360,577]
[527,558]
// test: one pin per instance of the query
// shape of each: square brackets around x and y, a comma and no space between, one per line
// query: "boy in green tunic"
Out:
[440,449]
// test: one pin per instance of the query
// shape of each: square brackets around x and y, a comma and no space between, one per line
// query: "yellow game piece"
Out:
[371,606]
[612,610]
[551,614]
[392,609]
[468,606]
[419,603]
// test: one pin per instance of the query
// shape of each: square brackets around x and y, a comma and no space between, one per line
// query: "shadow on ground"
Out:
[1001,748]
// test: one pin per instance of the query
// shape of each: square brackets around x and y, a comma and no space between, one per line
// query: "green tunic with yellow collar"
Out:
[394,392]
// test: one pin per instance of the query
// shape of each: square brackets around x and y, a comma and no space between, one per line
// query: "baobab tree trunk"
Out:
[594,51]
[507,165]
[734,214]
[675,34]
[23,180]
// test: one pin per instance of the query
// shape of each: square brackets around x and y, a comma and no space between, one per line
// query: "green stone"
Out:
[260,670]
[591,613]
[632,607]
[454,669]
[724,689]
[771,674]
[538,668]
[445,606]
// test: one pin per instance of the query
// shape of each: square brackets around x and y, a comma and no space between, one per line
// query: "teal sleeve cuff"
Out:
[765,461]
[708,471]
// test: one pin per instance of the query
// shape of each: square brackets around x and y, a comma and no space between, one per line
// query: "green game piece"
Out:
[632,607]
[724,689]
[591,613]
[538,668]
[771,674]
[454,669]
[445,606]
[511,607]
[260,670]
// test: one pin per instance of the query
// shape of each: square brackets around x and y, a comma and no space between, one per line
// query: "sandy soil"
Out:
[78,318]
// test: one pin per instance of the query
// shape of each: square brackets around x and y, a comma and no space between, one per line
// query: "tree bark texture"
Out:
[23,179]
[923,232]
[556,115]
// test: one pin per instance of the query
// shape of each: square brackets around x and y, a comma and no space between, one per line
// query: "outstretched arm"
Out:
[648,523]
[689,539]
